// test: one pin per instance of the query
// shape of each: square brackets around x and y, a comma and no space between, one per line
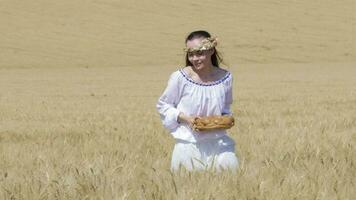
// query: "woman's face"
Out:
[199,59]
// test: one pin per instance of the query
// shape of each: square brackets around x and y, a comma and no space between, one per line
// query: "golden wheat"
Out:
[95,134]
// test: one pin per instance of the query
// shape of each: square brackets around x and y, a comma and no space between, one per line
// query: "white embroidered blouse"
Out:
[183,94]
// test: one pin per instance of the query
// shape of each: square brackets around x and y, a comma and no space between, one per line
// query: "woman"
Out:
[200,89]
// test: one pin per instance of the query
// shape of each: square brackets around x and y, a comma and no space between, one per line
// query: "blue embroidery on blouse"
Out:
[205,84]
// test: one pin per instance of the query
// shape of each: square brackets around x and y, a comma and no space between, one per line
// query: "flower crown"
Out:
[205,44]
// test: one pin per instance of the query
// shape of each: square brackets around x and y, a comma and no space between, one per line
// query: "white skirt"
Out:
[217,155]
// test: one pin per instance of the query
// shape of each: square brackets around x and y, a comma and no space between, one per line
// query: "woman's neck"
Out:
[206,73]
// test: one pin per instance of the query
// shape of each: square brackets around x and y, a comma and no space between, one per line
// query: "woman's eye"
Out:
[200,53]
[191,54]
[197,53]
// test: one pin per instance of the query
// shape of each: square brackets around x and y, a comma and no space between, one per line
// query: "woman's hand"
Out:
[182,118]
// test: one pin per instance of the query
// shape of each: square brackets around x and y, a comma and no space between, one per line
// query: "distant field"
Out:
[94,133]
[134,33]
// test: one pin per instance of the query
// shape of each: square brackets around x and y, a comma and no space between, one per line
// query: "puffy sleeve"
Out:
[167,103]
[228,96]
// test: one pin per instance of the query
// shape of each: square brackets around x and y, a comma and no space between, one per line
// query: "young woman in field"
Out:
[200,89]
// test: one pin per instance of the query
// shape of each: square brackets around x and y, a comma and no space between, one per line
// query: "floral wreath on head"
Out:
[205,44]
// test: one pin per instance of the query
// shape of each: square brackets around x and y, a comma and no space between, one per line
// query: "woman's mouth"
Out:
[198,64]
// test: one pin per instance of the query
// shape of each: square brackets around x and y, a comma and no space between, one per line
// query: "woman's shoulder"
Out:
[225,76]
[176,75]
[223,73]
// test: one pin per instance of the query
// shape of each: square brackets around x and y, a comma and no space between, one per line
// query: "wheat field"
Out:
[79,81]
[95,134]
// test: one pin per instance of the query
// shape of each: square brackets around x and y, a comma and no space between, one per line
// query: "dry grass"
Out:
[94,133]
